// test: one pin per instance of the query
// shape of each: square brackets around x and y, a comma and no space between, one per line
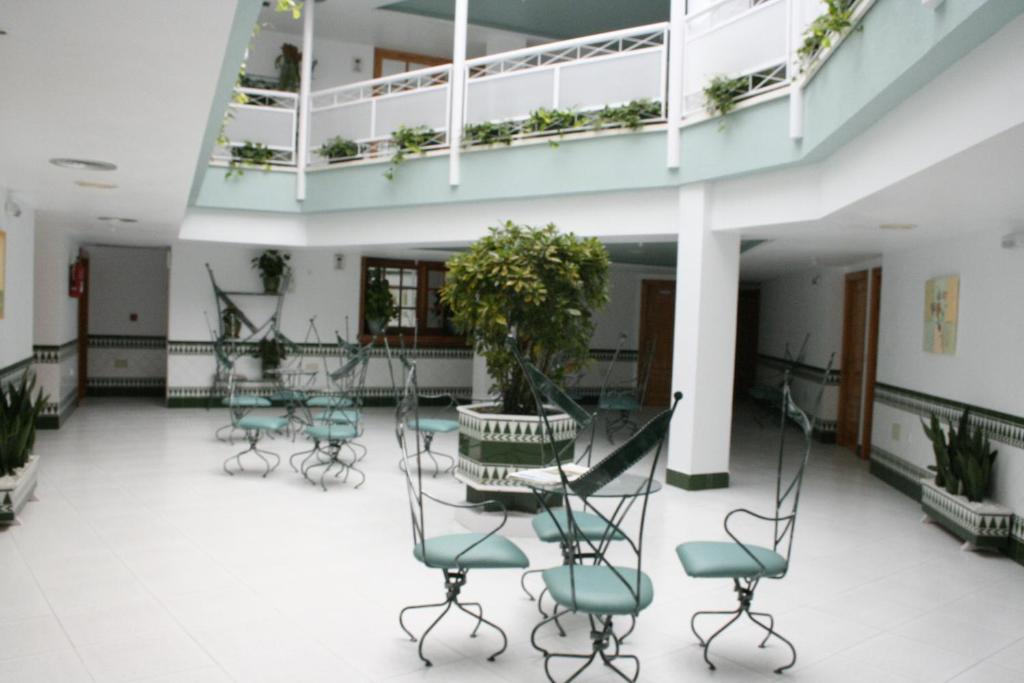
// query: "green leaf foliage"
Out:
[834,22]
[379,304]
[721,94]
[271,263]
[536,283]
[18,414]
[489,133]
[631,115]
[339,148]
[963,457]
[250,154]
[407,141]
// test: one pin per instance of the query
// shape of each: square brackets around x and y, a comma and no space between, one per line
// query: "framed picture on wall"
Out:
[3,270]
[941,312]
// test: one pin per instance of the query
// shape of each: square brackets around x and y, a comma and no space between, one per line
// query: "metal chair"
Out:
[454,554]
[254,426]
[747,564]
[333,432]
[602,589]
[625,400]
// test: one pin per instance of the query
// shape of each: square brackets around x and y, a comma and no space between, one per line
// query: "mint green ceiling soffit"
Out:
[549,18]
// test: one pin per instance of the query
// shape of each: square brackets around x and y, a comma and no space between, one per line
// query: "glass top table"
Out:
[622,486]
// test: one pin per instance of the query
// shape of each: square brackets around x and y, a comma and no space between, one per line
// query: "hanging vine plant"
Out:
[338,149]
[836,21]
[249,155]
[489,133]
[406,141]
[545,120]
[721,95]
[632,115]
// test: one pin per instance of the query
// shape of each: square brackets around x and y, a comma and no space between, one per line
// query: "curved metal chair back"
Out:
[787,493]
[611,366]
[645,364]
[407,409]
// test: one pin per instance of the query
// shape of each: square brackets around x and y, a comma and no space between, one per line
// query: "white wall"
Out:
[986,370]
[123,281]
[16,325]
[56,314]
[792,306]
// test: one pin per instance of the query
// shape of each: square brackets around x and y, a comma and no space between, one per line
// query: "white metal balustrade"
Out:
[267,117]
[752,39]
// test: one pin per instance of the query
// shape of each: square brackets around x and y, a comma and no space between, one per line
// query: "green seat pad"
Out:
[266,423]
[345,416]
[334,432]
[619,403]
[727,560]
[433,426]
[599,590]
[588,526]
[495,552]
[246,402]
[329,402]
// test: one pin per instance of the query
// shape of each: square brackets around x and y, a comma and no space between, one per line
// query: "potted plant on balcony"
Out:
[18,465]
[338,149]
[379,304]
[543,285]
[956,497]
[273,267]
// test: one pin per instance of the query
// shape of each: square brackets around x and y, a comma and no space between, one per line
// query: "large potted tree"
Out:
[379,304]
[957,497]
[19,410]
[542,286]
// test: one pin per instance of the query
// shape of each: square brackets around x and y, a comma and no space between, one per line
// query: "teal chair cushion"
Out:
[246,402]
[727,560]
[266,423]
[588,526]
[334,432]
[345,416]
[599,590]
[434,426]
[329,402]
[290,395]
[619,402]
[495,552]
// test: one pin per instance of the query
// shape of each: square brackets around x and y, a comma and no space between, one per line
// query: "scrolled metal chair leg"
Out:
[771,632]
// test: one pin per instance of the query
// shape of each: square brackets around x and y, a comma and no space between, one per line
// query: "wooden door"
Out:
[851,383]
[748,313]
[83,329]
[391,62]
[871,363]
[657,324]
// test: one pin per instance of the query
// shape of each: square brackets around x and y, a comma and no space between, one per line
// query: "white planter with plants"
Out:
[18,466]
[540,288]
[956,497]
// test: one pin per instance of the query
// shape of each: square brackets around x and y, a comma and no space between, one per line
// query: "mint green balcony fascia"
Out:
[901,48]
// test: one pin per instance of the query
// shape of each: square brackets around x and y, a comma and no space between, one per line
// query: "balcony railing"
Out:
[750,39]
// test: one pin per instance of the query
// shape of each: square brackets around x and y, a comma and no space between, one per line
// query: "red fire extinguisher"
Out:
[76,279]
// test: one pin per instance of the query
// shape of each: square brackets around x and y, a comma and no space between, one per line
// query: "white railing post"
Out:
[796,90]
[676,42]
[457,81]
[306,75]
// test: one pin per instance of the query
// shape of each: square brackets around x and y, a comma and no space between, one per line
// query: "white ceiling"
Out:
[359,21]
[979,189]
[125,82]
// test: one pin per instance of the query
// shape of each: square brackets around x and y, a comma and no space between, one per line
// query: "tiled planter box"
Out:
[493,446]
[15,490]
[985,524]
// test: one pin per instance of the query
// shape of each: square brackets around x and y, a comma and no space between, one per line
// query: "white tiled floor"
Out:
[142,561]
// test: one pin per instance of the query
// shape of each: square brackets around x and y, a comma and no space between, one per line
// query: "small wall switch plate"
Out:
[357,64]
[896,431]
[339,262]
[120,362]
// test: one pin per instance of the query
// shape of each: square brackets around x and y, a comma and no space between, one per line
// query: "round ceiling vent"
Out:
[84,164]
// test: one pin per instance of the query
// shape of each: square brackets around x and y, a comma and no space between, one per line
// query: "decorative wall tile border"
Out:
[56,414]
[1002,427]
[202,397]
[126,386]
[55,354]
[111,341]
[801,370]
[14,371]
[606,355]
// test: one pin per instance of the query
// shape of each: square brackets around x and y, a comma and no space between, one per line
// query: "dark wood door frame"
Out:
[871,362]
[662,341]
[83,328]
[851,362]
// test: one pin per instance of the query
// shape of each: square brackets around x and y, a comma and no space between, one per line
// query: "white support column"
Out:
[674,94]
[796,86]
[707,285]
[458,90]
[305,78]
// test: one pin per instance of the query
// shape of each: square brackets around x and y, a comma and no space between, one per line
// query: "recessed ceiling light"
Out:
[897,226]
[117,219]
[95,185]
[84,164]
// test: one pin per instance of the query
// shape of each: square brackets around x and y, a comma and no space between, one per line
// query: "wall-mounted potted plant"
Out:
[957,497]
[231,322]
[544,285]
[271,352]
[379,305]
[288,64]
[273,267]
[18,465]
[338,149]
